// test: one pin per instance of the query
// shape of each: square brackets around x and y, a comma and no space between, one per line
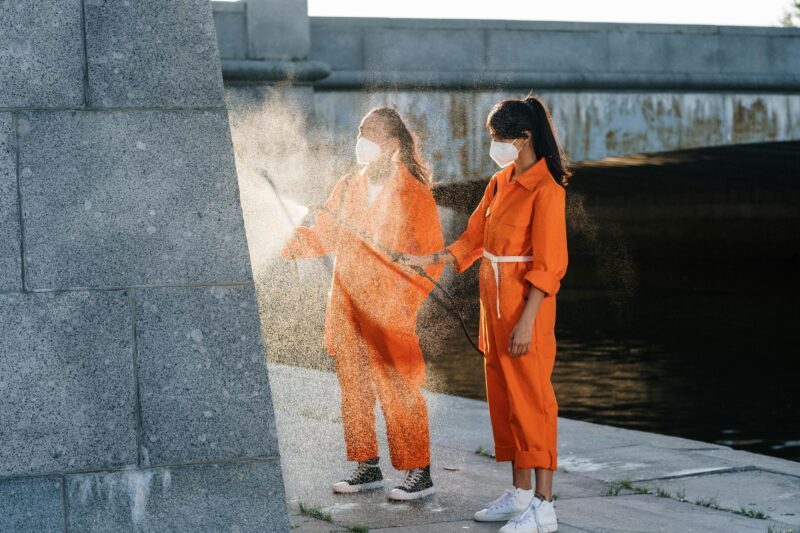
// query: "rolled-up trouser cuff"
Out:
[502,453]
[546,460]
[523,459]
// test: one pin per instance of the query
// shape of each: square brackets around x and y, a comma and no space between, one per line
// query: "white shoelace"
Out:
[361,470]
[532,508]
[497,503]
[412,478]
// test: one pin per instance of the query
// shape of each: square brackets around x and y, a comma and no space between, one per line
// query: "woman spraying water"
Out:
[519,231]
[372,309]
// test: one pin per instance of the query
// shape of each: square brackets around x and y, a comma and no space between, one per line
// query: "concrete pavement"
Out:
[609,479]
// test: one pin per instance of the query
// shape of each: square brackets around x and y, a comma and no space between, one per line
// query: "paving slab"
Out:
[762,462]
[461,526]
[775,495]
[312,450]
[644,513]
[575,436]
[640,462]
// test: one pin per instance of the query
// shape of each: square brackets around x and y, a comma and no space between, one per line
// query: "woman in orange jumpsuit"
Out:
[372,309]
[519,231]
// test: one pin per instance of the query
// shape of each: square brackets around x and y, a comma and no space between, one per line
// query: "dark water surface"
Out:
[679,312]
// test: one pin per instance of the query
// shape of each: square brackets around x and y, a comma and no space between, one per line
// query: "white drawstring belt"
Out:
[503,259]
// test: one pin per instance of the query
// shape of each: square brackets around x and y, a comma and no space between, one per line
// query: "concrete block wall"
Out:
[134,393]
[614,89]
[414,53]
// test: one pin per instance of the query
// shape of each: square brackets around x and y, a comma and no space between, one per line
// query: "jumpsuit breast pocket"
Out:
[508,237]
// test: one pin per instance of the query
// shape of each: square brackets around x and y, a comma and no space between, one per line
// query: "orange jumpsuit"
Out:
[526,217]
[372,309]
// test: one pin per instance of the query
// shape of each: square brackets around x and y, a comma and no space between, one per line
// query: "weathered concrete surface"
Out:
[237,496]
[591,124]
[31,506]
[596,484]
[776,495]
[129,326]
[614,89]
[67,382]
[202,373]
[142,198]
[374,52]
[10,259]
[152,54]
[41,54]
[230,20]
[278,29]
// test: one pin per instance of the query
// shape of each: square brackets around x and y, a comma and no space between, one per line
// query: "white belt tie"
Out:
[503,259]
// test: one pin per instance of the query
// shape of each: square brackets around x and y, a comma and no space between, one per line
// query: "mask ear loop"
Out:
[525,139]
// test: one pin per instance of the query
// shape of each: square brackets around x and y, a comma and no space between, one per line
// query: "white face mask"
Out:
[503,153]
[367,151]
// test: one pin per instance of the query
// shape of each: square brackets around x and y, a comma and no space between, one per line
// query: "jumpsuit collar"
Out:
[530,177]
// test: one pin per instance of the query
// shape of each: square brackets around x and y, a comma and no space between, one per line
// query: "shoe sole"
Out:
[401,496]
[498,519]
[352,489]
[549,528]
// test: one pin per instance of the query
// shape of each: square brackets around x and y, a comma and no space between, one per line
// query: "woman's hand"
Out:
[519,342]
[423,261]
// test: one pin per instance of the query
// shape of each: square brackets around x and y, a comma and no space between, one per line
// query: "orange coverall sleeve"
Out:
[320,238]
[469,246]
[425,235]
[548,240]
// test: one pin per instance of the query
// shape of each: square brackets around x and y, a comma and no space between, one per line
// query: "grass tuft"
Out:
[313,512]
[484,452]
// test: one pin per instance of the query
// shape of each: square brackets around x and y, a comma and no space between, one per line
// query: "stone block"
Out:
[203,381]
[423,50]
[41,54]
[10,260]
[342,50]
[548,51]
[234,497]
[66,382]
[130,198]
[31,505]
[151,53]
[664,53]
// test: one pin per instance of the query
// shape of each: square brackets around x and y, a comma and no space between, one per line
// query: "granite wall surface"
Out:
[135,394]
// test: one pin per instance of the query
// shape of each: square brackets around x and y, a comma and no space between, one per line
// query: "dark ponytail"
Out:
[409,155]
[511,118]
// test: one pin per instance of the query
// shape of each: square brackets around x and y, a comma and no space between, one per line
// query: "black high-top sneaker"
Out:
[366,476]
[418,484]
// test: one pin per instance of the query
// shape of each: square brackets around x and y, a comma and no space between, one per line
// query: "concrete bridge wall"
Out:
[369,52]
[614,89]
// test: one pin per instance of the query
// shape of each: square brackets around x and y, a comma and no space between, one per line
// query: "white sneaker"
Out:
[508,505]
[539,517]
